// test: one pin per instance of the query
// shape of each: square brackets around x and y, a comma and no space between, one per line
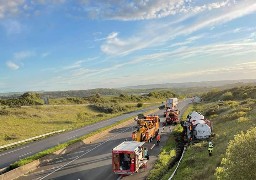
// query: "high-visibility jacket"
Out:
[210,148]
[133,136]
[158,137]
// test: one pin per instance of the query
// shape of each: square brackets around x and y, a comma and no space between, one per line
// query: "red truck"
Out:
[172,117]
[128,157]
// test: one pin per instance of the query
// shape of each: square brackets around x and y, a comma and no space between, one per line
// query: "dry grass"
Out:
[26,122]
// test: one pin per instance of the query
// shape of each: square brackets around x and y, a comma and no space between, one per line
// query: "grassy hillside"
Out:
[232,118]
[26,117]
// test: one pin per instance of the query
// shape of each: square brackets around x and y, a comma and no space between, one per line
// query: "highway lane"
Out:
[93,161]
[10,156]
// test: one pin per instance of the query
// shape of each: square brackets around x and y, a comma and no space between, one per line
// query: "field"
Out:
[25,122]
[25,116]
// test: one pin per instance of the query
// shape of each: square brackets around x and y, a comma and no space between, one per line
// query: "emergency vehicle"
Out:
[128,157]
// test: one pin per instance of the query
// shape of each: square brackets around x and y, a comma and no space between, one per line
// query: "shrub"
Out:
[242,119]
[238,162]
[108,107]
[232,103]
[83,115]
[227,96]
[139,105]
[234,115]
[10,137]
[4,112]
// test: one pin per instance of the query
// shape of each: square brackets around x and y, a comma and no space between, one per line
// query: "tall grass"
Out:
[196,163]
[166,156]
[26,122]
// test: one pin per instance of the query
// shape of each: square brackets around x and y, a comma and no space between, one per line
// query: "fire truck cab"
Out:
[128,157]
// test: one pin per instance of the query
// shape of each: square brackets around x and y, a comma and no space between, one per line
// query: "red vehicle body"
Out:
[128,157]
[172,117]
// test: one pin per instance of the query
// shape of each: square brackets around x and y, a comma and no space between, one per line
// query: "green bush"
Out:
[239,161]
[227,96]
[109,107]
[4,112]
[139,105]
[27,99]
[234,115]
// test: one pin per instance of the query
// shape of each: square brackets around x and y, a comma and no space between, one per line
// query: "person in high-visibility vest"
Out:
[210,148]
[158,138]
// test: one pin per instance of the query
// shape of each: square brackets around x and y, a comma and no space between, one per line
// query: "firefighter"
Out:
[210,148]
[158,138]
[133,136]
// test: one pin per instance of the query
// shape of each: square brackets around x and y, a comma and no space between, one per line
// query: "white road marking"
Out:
[40,178]
[88,145]
[120,177]
[152,146]
[77,152]
[14,151]
[25,154]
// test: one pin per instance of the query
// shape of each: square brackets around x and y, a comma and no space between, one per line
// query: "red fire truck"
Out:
[128,157]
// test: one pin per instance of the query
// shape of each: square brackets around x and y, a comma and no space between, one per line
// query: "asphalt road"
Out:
[10,156]
[93,161]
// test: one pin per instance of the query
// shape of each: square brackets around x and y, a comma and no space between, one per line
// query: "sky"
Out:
[51,45]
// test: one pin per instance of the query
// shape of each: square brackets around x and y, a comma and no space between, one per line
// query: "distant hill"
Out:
[187,88]
[196,84]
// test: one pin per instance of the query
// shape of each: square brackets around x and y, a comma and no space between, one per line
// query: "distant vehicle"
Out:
[147,128]
[128,157]
[171,104]
[172,117]
[196,99]
[197,127]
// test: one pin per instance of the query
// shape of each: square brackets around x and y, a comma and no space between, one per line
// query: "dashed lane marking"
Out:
[152,146]
[23,155]
[13,151]
[40,178]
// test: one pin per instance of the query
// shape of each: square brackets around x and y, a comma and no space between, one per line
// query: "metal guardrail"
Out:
[178,164]
[30,139]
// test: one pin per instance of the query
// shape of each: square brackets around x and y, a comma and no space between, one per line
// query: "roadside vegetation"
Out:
[166,156]
[26,116]
[233,113]
[51,151]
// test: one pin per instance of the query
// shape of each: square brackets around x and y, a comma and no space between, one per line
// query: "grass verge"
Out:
[64,145]
[168,155]
[229,119]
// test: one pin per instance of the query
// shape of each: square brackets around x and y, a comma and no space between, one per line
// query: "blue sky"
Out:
[84,44]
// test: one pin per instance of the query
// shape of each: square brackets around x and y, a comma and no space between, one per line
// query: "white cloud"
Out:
[23,55]
[12,27]
[217,50]
[132,10]
[115,46]
[18,57]
[160,33]
[10,7]
[223,17]
[45,54]
[150,9]
[12,65]
[227,72]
